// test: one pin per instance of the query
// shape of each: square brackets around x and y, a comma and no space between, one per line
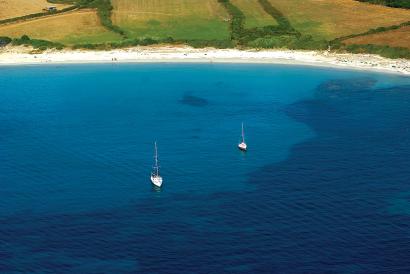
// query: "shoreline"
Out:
[183,54]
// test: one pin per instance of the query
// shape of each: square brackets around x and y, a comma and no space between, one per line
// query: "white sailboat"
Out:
[156,178]
[242,146]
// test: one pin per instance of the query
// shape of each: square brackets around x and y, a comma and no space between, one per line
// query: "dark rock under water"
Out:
[194,101]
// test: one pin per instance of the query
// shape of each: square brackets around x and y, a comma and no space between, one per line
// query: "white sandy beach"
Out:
[22,56]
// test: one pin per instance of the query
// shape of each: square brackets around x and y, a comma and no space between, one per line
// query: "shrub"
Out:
[289,41]
[36,43]
[386,51]
[4,41]
[220,44]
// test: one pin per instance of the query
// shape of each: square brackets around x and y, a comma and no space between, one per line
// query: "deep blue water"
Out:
[324,187]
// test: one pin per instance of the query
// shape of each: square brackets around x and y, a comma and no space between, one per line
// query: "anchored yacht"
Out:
[242,146]
[156,178]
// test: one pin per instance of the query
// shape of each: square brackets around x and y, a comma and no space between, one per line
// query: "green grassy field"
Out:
[179,19]
[254,13]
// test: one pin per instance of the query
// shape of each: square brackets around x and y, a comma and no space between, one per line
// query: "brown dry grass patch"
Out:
[69,28]
[334,18]
[16,8]
[393,38]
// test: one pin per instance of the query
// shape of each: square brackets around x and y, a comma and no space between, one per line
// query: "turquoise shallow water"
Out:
[322,188]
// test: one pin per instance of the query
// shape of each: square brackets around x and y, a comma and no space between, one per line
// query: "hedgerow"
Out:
[390,3]
[36,43]
[36,15]
[385,51]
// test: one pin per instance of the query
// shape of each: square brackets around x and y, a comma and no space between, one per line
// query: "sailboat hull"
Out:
[243,146]
[156,180]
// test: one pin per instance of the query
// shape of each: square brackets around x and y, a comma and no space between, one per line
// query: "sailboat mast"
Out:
[156,159]
[243,135]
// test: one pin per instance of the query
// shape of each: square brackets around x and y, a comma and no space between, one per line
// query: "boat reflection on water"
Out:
[156,188]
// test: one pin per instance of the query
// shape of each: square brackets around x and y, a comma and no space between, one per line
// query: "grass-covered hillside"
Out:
[343,25]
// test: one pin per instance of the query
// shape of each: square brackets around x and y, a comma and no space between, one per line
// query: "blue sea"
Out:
[323,188]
